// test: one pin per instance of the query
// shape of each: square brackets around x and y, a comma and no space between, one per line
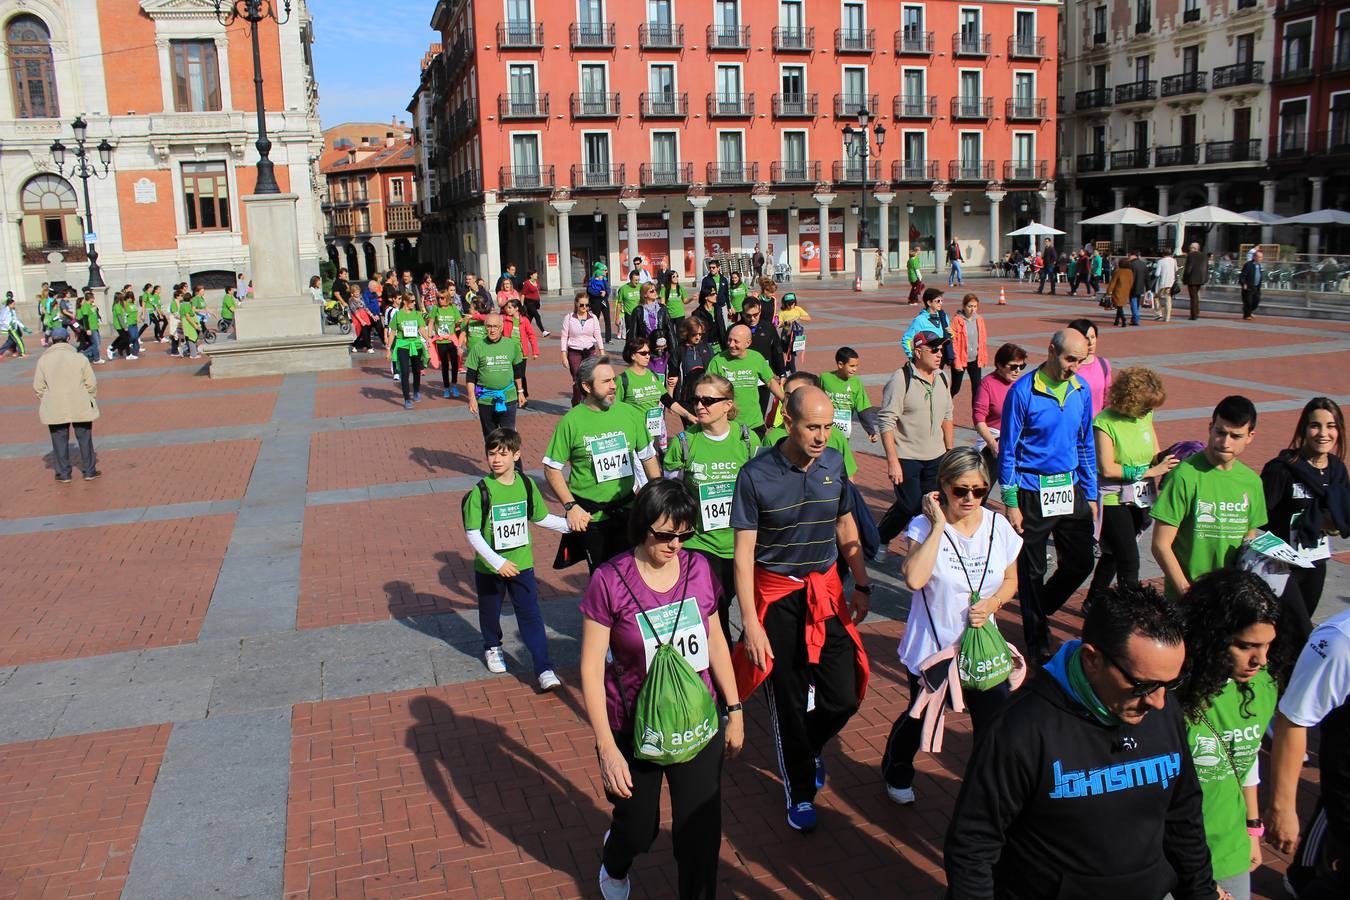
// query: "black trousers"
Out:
[724,570]
[449,353]
[409,368]
[920,479]
[1041,598]
[1251,299]
[1121,526]
[600,307]
[1298,602]
[84,436]
[897,762]
[695,810]
[532,314]
[489,419]
[973,370]
[607,538]
[799,734]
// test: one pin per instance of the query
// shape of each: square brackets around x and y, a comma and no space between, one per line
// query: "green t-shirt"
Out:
[227,305]
[1133,440]
[599,447]
[152,302]
[406,327]
[187,320]
[443,321]
[88,314]
[1224,740]
[837,441]
[506,528]
[476,329]
[496,364]
[199,301]
[1213,511]
[675,302]
[643,393]
[710,475]
[912,269]
[630,295]
[737,293]
[848,396]
[745,375]
[122,316]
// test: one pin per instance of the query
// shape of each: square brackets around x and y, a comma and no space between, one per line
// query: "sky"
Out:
[368,57]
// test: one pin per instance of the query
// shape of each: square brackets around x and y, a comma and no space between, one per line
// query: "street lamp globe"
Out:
[880,132]
[864,116]
[848,138]
[58,154]
[80,128]
[105,153]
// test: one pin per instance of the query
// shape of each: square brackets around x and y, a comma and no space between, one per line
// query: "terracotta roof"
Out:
[402,155]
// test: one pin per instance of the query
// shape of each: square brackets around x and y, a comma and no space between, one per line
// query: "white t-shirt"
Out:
[1321,679]
[948,592]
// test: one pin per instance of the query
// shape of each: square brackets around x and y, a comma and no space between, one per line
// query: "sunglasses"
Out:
[666,537]
[962,493]
[705,401]
[1140,688]
[583,306]
[642,353]
[1016,367]
[933,347]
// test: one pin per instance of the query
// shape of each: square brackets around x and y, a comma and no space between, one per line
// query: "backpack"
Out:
[909,376]
[485,499]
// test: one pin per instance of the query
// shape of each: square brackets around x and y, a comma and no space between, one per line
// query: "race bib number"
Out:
[1140,493]
[610,458]
[843,421]
[409,329]
[510,526]
[443,328]
[656,422]
[714,504]
[799,344]
[1057,495]
[689,637]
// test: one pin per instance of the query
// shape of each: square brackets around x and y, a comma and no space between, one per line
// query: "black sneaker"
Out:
[61,480]
[92,475]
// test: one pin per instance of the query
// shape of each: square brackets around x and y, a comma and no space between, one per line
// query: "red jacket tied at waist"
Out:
[824,599]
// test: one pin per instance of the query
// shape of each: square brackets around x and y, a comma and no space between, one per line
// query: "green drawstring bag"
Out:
[983,660]
[675,716]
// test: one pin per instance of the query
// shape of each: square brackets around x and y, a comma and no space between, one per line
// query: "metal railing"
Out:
[597,177]
[972,107]
[1177,155]
[1092,162]
[969,43]
[787,39]
[1218,152]
[912,170]
[721,37]
[1239,74]
[730,106]
[1185,83]
[1025,109]
[661,174]
[733,172]
[1129,159]
[527,178]
[659,36]
[850,171]
[520,35]
[522,106]
[1026,47]
[855,40]
[595,105]
[1093,98]
[915,106]
[970,170]
[846,106]
[913,43]
[1026,170]
[795,106]
[795,172]
[591,34]
[1137,92]
[664,106]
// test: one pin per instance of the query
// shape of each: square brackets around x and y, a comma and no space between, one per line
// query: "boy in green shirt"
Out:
[848,395]
[1211,502]
[497,513]
[227,307]
[87,315]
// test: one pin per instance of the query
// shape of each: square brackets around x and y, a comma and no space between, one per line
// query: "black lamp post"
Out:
[857,145]
[84,168]
[254,12]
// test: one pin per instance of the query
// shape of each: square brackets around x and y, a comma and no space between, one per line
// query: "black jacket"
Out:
[722,291]
[1141,278]
[713,332]
[637,323]
[1056,805]
[765,339]
[1197,269]
[1247,278]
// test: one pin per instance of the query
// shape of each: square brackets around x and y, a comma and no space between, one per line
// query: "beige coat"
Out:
[65,385]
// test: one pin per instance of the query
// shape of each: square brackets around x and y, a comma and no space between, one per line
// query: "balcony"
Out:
[731,106]
[722,37]
[1024,109]
[795,106]
[1245,73]
[525,179]
[846,106]
[794,40]
[914,171]
[1095,98]
[1223,152]
[663,106]
[1137,92]
[1185,83]
[36,253]
[855,40]
[850,171]
[666,174]
[1091,162]
[913,43]
[972,108]
[1177,155]
[1099,39]
[970,170]
[522,106]
[970,43]
[795,171]
[1026,170]
[465,186]
[597,177]
[595,105]
[1142,27]
[520,35]
[915,106]
[738,173]
[1190,15]
[1292,146]
[1129,159]
[591,35]
[660,36]
[401,218]
[1026,47]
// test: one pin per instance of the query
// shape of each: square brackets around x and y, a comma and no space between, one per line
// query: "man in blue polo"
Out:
[1048,469]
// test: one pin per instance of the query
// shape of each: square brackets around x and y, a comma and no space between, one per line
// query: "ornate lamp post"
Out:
[254,12]
[859,146]
[84,168]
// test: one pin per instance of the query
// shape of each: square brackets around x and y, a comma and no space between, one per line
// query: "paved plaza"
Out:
[246,663]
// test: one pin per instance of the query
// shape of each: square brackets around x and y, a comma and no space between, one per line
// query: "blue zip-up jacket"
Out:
[922,322]
[1038,437]
[372,301]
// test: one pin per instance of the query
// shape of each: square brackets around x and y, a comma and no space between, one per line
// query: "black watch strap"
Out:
[863,588]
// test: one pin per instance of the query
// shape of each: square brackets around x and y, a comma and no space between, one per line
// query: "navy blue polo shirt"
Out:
[792,510]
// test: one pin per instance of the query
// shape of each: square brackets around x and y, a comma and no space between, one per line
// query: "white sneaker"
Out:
[133,356]
[112,354]
[548,680]
[495,659]
[614,888]
[903,796]
[545,333]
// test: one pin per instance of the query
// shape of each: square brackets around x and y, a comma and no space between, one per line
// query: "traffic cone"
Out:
[1002,297]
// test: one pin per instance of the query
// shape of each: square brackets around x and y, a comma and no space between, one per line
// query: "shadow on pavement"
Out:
[444,460]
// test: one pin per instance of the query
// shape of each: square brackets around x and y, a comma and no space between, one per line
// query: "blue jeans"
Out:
[1134,309]
[92,351]
[954,277]
[524,593]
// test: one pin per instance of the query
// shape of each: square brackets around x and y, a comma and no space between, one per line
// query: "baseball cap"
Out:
[59,333]
[928,337]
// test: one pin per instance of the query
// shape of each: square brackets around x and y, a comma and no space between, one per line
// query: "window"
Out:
[970,24]
[34,77]
[591,17]
[727,17]
[1294,126]
[1141,141]
[1245,48]
[970,153]
[396,190]
[855,25]
[730,156]
[661,86]
[363,188]
[1191,12]
[196,76]
[206,196]
[1297,52]
[1190,59]
[1024,93]
[1024,154]
[794,89]
[1099,23]
[916,154]
[524,101]
[595,158]
[729,89]
[525,160]
[50,214]
[855,88]
[912,33]
[594,93]
[1143,16]
[912,90]
[659,15]
[1342,48]
[519,21]
[970,86]
[794,155]
[1188,130]
[790,17]
[1099,77]
[1024,30]
[1340,122]
[665,157]
[1098,140]
[1141,69]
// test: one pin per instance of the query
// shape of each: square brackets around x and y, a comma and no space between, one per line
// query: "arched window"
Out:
[30,59]
[51,218]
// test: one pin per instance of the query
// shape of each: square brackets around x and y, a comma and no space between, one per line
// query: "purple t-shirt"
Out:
[613,598]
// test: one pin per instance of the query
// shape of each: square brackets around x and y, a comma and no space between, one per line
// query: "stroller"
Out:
[335,313]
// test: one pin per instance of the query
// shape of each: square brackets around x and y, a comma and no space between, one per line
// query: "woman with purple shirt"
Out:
[664,581]
[1094,370]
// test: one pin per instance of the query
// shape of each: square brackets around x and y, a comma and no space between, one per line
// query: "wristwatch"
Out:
[863,589]
[735,707]
[567,507]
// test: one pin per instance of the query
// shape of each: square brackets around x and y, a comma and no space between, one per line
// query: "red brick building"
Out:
[370,210]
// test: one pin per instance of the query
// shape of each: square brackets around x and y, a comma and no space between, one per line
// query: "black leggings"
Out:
[973,370]
[409,363]
[161,324]
[1119,543]
[122,341]
[897,761]
[449,352]
[532,314]
[724,571]
[1298,602]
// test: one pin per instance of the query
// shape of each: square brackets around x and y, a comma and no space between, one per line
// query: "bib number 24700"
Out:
[1057,495]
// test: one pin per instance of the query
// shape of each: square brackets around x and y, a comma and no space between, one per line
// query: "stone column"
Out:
[940,200]
[1268,206]
[492,237]
[1164,197]
[763,202]
[1117,231]
[1075,211]
[700,268]
[824,201]
[631,206]
[1212,192]
[1048,199]
[995,199]
[884,202]
[1315,233]
[564,209]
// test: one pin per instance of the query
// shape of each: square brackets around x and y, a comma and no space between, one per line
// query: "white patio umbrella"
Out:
[1127,215]
[1034,229]
[1319,217]
[1261,217]
[1207,216]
